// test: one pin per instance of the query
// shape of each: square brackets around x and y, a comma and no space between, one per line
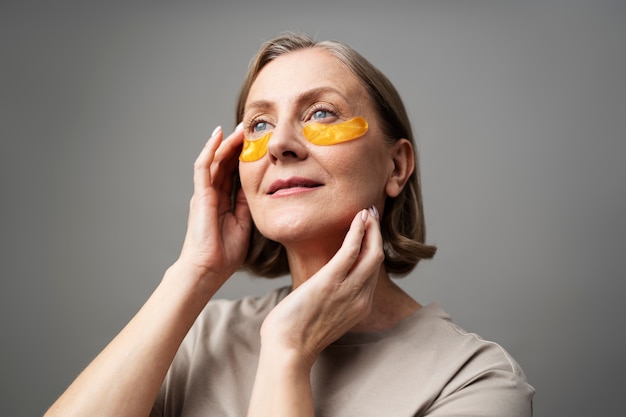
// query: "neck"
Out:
[306,260]
[390,303]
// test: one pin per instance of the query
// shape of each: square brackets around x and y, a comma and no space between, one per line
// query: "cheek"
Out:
[249,177]
[364,174]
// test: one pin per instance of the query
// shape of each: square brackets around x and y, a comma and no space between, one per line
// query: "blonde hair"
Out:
[402,223]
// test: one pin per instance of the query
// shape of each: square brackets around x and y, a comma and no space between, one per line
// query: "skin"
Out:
[124,379]
[331,233]
[338,282]
[324,134]
[354,174]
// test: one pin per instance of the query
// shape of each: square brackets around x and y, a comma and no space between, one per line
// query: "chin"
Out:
[292,227]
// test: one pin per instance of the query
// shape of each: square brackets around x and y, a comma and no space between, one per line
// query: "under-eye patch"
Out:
[317,133]
[253,150]
[325,134]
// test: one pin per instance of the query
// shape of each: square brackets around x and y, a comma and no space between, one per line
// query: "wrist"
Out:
[287,356]
[199,282]
[286,364]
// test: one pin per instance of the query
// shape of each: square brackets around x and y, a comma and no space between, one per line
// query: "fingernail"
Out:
[217,129]
[374,212]
[363,215]
[239,127]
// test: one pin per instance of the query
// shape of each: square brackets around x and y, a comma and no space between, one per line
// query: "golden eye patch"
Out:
[324,134]
[253,150]
[317,133]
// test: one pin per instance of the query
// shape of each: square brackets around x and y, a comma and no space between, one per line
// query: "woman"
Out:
[329,194]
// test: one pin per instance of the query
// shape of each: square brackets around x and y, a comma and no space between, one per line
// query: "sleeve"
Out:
[494,393]
[488,383]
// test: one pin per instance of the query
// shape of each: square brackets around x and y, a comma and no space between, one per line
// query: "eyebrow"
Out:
[304,97]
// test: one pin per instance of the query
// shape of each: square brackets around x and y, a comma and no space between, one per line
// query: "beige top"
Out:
[425,365]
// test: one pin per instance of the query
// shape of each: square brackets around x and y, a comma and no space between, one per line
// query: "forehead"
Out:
[300,72]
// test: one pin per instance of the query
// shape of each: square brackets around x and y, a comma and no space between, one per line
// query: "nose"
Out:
[287,143]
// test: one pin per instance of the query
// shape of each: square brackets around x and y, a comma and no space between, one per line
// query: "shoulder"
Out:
[427,364]
[475,374]
[434,326]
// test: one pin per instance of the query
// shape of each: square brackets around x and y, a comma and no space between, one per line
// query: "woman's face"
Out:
[297,190]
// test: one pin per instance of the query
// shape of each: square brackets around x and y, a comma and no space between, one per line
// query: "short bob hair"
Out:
[402,223]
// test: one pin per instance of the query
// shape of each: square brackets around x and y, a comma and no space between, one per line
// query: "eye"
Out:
[320,114]
[259,126]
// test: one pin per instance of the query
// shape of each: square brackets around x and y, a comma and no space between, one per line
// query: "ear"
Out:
[403,159]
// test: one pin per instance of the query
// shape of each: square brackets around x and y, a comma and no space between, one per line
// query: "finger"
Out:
[233,141]
[341,263]
[226,156]
[373,240]
[366,267]
[202,171]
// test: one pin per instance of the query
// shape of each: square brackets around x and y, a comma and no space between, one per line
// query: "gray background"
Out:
[520,113]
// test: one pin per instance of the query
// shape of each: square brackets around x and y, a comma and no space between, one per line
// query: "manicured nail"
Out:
[216,130]
[363,215]
[239,127]
[374,212]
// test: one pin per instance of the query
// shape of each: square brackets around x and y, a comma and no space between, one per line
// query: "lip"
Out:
[292,185]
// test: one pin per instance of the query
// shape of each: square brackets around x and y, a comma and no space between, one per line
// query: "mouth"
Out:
[292,184]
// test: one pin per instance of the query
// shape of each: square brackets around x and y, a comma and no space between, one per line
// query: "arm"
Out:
[124,379]
[314,315]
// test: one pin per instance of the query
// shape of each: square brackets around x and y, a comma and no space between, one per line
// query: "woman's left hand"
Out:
[313,316]
[333,300]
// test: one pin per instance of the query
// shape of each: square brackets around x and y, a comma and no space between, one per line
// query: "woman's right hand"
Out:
[140,355]
[217,235]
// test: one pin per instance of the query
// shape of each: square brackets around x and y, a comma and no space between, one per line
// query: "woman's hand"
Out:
[333,300]
[313,316]
[140,355]
[217,235]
